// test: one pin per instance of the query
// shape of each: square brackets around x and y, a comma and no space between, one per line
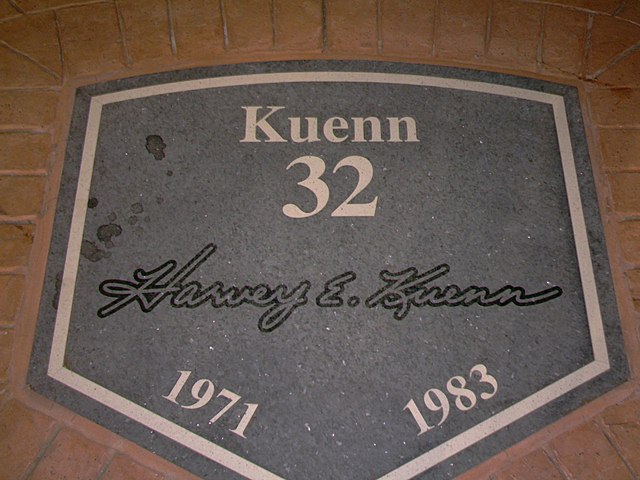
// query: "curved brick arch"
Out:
[47,47]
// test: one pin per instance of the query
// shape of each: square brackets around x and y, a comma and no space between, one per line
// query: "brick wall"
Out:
[48,47]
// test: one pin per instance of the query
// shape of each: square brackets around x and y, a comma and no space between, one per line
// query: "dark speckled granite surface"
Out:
[479,201]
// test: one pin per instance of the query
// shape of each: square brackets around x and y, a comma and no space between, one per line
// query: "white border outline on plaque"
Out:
[234,462]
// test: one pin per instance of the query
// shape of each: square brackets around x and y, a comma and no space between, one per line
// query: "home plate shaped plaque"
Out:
[342,270]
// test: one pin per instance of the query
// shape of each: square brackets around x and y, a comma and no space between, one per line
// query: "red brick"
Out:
[7,10]
[21,195]
[18,71]
[352,26]
[461,29]
[146,28]
[27,108]
[587,454]
[631,11]
[32,5]
[625,72]
[563,40]
[24,433]
[11,288]
[408,27]
[620,149]
[5,395]
[91,40]
[123,468]
[298,24]
[24,151]
[633,277]
[41,43]
[15,243]
[248,24]
[6,346]
[72,457]
[609,38]
[534,466]
[625,189]
[483,471]
[616,106]
[625,412]
[197,27]
[627,439]
[606,6]
[515,33]
[629,235]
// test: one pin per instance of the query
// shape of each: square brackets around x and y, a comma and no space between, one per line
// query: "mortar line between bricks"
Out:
[56,20]
[38,172]
[554,463]
[45,88]
[48,88]
[487,31]
[595,87]
[172,34]
[613,170]
[16,6]
[579,9]
[123,36]
[378,26]
[66,6]
[568,7]
[42,453]
[11,274]
[324,25]
[552,455]
[586,47]
[637,24]
[617,59]
[436,10]
[4,388]
[608,435]
[32,60]
[628,219]
[543,17]
[225,28]
[620,9]
[14,270]
[10,18]
[619,126]
[107,463]
[272,11]
[23,129]
[18,219]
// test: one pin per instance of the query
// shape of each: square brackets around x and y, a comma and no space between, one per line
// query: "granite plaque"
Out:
[343,270]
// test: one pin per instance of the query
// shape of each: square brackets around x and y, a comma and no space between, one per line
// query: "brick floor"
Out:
[71,456]
[25,433]
[49,46]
